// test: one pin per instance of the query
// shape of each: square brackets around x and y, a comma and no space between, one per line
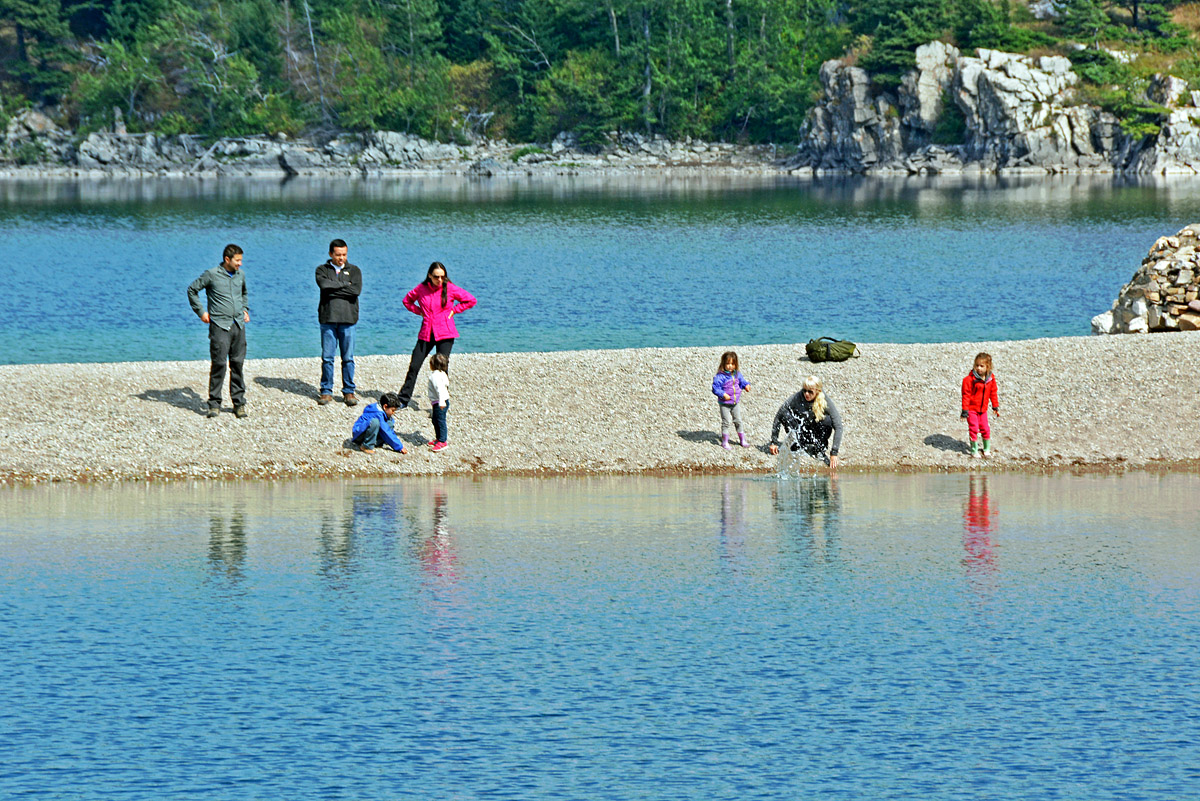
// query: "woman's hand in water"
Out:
[833,460]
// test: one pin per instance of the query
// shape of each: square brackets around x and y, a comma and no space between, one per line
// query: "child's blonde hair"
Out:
[725,357]
[986,358]
[439,362]
[818,402]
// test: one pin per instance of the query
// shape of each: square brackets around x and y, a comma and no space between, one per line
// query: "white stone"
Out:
[1103,323]
[1138,325]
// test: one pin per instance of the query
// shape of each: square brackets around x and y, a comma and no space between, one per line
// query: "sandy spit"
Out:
[1110,403]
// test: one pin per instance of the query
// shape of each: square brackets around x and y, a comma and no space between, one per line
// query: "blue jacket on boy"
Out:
[387,435]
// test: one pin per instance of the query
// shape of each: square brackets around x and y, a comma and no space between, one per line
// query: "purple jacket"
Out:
[730,384]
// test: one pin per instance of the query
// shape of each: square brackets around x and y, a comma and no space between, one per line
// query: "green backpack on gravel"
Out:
[828,349]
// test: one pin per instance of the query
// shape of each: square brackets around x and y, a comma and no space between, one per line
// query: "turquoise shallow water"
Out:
[942,637]
[98,269]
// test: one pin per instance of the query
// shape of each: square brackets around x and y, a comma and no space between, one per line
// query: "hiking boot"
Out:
[323,399]
[240,411]
[213,411]
[350,399]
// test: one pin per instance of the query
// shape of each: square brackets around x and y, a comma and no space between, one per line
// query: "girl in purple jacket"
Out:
[437,301]
[728,385]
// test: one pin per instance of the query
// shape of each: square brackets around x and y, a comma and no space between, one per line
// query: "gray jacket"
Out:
[226,296]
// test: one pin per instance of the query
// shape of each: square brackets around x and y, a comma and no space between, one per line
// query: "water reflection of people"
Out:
[227,544]
[810,507]
[438,556]
[733,521]
[980,558]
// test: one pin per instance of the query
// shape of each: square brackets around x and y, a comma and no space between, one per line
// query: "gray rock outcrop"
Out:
[33,143]
[1162,295]
[1018,114]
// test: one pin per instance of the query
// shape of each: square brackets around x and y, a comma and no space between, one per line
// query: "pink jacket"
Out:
[436,322]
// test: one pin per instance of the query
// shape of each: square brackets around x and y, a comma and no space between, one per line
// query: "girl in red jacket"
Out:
[978,388]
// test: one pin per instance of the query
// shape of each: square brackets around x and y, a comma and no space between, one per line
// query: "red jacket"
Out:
[976,393]
[436,322]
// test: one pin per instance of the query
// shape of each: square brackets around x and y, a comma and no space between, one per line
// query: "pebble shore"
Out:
[1105,403]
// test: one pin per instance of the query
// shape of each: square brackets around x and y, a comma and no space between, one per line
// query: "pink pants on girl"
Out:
[977,423]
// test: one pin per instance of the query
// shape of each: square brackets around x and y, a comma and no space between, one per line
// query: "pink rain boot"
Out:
[725,441]
[742,440]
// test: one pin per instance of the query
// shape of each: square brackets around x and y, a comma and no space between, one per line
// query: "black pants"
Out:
[420,352]
[226,346]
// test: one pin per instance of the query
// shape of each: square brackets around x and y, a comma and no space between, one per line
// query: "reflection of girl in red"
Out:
[977,528]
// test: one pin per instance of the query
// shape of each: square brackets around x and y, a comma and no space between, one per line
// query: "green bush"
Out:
[1099,68]
[951,127]
[30,152]
[525,151]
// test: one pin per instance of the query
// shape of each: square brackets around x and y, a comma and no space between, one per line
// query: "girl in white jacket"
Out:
[439,399]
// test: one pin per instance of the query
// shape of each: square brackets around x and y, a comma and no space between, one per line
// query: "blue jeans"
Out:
[369,438]
[440,433]
[335,336]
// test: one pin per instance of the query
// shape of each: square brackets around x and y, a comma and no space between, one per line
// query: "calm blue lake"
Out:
[868,637]
[98,269]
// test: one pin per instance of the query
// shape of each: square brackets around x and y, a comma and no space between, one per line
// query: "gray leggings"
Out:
[730,416]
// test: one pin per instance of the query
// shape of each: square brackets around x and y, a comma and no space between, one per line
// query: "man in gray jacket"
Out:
[340,283]
[227,315]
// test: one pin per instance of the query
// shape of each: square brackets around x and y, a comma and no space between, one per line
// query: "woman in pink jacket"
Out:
[437,301]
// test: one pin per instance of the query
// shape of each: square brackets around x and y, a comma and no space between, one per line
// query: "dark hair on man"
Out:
[437,265]
[389,399]
[337,243]
[230,251]
[439,361]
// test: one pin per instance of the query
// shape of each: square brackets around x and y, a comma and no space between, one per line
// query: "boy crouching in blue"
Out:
[374,425]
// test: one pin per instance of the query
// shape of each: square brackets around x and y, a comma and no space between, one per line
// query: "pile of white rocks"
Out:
[1162,295]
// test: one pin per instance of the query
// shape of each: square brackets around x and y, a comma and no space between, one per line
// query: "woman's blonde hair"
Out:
[818,401]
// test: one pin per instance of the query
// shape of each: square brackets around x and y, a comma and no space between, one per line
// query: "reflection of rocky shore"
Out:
[932,193]
[1068,403]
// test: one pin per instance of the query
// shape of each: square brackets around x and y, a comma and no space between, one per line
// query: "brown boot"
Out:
[323,399]
[351,399]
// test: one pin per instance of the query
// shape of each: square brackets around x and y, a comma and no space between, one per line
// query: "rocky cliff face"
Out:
[32,143]
[1018,114]
[1162,295]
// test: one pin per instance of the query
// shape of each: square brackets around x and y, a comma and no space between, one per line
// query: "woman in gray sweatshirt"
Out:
[811,418]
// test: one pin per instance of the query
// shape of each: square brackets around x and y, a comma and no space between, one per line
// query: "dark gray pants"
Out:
[419,354]
[226,346]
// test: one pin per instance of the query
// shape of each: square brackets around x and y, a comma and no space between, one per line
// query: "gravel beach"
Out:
[1112,403]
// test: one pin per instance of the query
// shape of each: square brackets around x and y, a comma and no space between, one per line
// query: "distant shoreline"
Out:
[1067,404]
